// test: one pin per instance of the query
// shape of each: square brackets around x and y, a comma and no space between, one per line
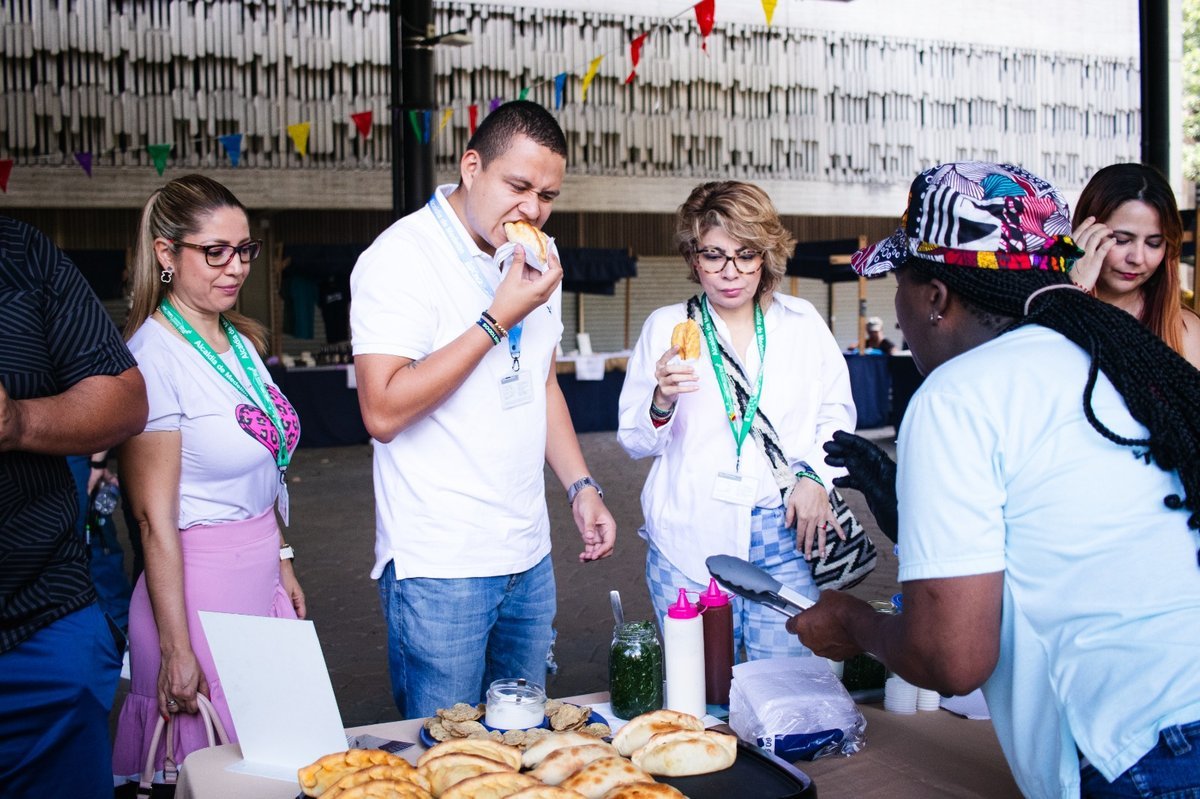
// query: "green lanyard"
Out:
[282,457]
[710,337]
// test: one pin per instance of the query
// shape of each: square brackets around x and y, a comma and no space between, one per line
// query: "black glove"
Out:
[872,472]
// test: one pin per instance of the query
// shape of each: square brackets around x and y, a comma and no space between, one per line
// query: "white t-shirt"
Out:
[461,492]
[228,470]
[805,395]
[999,470]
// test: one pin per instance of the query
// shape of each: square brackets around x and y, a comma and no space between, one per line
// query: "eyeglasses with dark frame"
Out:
[219,255]
[713,260]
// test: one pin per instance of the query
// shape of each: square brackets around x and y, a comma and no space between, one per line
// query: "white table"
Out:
[922,756]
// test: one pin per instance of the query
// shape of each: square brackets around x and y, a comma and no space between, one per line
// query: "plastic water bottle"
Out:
[683,640]
[717,615]
[108,495]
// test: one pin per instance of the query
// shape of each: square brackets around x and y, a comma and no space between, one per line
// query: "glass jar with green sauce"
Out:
[635,669]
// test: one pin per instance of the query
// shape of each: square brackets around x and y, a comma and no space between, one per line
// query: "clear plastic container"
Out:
[635,670]
[515,704]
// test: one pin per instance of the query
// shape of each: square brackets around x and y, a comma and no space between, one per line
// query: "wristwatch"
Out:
[287,553]
[579,485]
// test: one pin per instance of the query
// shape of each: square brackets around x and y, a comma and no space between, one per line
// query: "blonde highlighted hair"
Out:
[744,212]
[174,212]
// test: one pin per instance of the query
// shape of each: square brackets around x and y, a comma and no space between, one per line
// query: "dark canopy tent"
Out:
[595,270]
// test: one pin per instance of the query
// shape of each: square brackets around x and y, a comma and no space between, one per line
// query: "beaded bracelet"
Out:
[487,328]
[811,476]
[658,413]
[499,328]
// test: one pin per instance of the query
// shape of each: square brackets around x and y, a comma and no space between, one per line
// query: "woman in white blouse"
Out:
[736,434]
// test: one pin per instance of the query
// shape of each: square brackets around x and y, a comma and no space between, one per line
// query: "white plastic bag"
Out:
[794,707]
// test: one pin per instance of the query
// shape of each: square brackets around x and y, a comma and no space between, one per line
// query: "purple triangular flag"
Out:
[85,161]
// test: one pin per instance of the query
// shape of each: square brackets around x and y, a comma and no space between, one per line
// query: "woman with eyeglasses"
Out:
[736,434]
[206,476]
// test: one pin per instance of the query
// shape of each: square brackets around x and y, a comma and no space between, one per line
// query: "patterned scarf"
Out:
[761,428]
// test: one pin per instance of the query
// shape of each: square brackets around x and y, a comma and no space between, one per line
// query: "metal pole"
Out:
[418,84]
[1156,116]
[397,109]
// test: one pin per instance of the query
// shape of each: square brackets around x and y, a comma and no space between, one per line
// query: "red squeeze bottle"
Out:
[717,614]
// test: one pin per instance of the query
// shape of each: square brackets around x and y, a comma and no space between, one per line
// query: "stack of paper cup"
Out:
[899,696]
[928,700]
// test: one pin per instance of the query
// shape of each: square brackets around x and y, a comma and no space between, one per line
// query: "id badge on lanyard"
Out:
[738,489]
[516,389]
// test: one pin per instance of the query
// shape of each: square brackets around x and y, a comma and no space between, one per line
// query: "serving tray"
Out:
[756,773]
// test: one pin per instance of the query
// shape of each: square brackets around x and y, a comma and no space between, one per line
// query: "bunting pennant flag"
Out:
[299,134]
[635,54]
[560,83]
[705,10]
[85,161]
[362,120]
[414,124]
[158,154]
[524,93]
[425,118]
[232,143]
[496,103]
[591,75]
[449,112]
[5,171]
[473,117]
[769,10]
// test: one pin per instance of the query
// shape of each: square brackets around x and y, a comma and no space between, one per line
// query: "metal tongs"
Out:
[750,582]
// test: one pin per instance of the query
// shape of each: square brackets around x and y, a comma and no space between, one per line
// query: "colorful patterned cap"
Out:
[975,213]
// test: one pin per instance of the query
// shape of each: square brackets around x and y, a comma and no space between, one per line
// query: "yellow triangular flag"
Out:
[449,112]
[299,134]
[769,10]
[591,73]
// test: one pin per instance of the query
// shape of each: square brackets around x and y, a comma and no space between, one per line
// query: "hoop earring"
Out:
[166,276]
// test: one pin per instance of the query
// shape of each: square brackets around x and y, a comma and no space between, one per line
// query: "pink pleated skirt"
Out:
[230,568]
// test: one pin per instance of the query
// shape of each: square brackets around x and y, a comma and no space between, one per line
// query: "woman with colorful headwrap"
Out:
[1075,608]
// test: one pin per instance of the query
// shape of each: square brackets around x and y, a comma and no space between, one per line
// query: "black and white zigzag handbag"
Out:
[846,563]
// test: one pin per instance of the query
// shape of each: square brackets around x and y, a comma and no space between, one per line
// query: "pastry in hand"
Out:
[522,232]
[686,336]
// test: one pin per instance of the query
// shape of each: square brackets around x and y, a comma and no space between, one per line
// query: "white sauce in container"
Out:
[515,704]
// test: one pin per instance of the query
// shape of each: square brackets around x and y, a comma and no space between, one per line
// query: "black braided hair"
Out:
[1159,387]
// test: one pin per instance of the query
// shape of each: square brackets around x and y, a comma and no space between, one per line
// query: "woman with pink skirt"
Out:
[207,475]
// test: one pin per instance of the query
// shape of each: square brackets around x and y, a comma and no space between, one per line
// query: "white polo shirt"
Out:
[461,492]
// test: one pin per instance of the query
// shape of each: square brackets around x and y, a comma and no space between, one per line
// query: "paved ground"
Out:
[333,532]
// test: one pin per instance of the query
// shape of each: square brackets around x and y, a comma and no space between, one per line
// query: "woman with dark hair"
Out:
[1128,225]
[769,371]
[1076,609]
[207,473]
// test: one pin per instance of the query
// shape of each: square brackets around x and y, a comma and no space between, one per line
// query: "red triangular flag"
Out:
[5,171]
[705,10]
[635,54]
[362,121]
[473,114]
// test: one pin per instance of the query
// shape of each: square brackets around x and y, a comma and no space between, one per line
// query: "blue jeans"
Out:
[1171,770]
[758,630]
[448,639]
[56,691]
